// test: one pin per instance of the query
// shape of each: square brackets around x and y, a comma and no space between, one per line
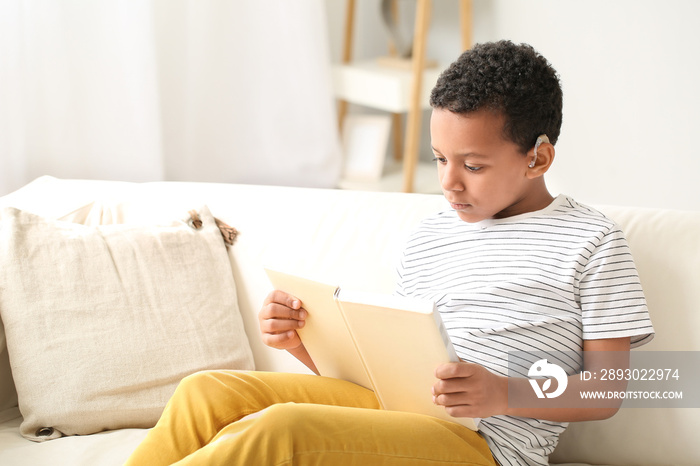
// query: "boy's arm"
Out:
[470,390]
[302,355]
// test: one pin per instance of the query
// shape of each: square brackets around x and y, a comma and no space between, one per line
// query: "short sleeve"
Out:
[610,292]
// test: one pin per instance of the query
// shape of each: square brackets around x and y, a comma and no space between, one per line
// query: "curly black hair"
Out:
[511,79]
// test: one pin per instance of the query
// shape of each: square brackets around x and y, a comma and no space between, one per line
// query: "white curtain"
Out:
[195,90]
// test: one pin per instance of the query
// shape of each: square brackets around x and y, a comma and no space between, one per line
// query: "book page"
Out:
[401,342]
[325,336]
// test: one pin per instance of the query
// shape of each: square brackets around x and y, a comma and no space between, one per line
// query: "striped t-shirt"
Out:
[541,281]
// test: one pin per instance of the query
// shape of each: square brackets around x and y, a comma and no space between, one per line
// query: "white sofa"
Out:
[352,238]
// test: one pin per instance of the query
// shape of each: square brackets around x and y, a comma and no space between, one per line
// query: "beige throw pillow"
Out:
[103,322]
[8,394]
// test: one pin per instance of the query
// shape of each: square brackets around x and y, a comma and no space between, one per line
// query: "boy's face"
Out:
[482,174]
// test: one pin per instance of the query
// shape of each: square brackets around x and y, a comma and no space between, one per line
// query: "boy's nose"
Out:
[450,179]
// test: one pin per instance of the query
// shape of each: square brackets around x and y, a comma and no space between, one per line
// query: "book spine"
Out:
[357,348]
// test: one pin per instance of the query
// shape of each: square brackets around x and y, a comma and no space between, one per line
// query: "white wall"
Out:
[629,70]
[233,91]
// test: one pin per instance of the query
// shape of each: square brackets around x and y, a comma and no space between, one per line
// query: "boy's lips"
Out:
[457,206]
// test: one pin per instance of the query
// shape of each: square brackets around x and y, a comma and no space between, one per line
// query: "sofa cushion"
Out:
[102,322]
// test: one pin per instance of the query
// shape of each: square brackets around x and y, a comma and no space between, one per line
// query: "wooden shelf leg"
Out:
[396,120]
[465,20]
[413,125]
[347,54]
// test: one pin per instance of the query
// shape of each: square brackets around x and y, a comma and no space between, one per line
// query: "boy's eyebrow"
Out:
[465,155]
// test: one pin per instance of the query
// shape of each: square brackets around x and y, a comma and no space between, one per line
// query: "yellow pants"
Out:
[309,420]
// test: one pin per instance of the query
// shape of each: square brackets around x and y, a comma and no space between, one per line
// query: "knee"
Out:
[281,414]
[194,385]
[282,419]
[269,436]
[194,381]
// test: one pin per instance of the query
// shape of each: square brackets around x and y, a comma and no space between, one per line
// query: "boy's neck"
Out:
[532,202]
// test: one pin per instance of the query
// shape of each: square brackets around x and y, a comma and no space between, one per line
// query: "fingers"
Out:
[458,377]
[454,395]
[285,300]
[280,297]
[454,370]
[470,390]
[280,305]
[453,379]
[449,392]
[280,317]
[285,340]
[275,318]
[281,311]
[457,402]
[463,410]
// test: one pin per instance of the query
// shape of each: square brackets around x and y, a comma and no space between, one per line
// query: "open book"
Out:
[386,343]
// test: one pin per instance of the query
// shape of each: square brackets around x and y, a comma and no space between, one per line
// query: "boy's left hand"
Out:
[470,390]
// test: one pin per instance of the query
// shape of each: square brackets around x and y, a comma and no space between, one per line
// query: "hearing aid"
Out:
[540,139]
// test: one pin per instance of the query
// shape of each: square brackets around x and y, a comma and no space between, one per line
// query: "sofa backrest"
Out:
[666,249]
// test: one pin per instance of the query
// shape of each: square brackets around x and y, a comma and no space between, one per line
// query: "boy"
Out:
[510,267]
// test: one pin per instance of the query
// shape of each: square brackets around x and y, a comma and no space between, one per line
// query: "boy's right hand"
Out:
[280,317]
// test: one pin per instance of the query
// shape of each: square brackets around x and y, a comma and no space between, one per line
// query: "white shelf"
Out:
[426,180]
[383,87]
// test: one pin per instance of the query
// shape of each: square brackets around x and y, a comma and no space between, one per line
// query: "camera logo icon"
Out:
[542,368]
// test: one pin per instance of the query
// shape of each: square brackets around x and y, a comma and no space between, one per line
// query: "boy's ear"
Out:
[544,160]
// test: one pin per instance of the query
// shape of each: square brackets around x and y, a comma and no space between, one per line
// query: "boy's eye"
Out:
[443,161]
